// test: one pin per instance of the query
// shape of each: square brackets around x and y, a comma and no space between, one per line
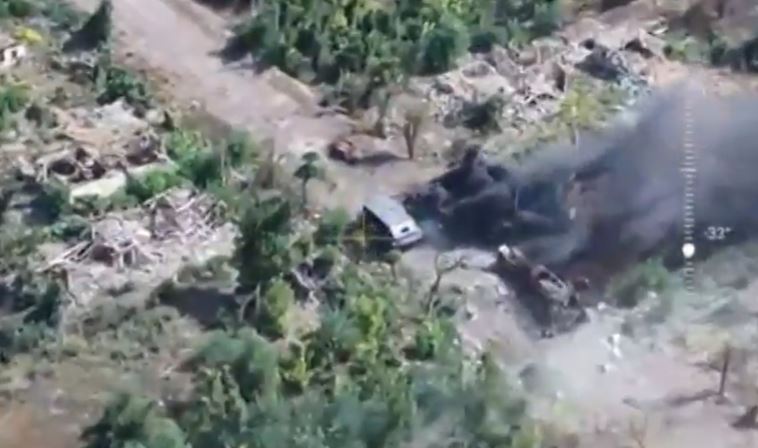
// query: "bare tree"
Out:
[441,268]
[724,371]
[414,120]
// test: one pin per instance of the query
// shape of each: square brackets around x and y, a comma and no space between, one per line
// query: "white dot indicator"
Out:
[688,250]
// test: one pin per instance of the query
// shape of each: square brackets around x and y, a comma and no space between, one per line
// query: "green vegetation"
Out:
[359,45]
[151,184]
[331,227]
[14,97]
[714,49]
[345,383]
[30,300]
[16,8]
[633,286]
[264,247]
[113,82]
[686,48]
[309,169]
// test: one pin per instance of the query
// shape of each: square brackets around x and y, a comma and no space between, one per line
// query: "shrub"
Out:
[113,83]
[61,14]
[54,200]
[13,98]
[631,287]
[273,307]
[151,184]
[16,8]
[442,45]
[331,227]
[263,246]
[131,421]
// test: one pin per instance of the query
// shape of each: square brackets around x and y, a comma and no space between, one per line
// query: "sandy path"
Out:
[178,39]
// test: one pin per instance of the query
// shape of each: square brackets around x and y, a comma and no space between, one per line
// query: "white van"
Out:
[388,219]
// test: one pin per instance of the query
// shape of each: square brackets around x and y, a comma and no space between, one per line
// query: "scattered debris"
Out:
[531,83]
[12,55]
[343,150]
[184,214]
[146,240]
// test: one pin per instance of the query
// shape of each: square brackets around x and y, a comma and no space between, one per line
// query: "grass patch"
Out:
[635,285]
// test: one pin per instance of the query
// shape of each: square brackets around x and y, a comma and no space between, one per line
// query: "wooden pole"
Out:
[724,371]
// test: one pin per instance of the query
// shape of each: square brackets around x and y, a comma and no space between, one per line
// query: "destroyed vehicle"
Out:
[344,151]
[389,223]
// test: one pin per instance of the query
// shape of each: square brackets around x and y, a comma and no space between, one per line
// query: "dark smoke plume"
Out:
[628,188]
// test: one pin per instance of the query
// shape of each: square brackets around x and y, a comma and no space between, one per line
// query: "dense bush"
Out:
[30,301]
[13,98]
[264,245]
[16,8]
[113,82]
[325,41]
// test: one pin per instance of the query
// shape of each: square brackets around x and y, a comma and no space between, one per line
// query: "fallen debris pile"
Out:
[183,214]
[150,240]
[97,146]
[12,55]
[528,85]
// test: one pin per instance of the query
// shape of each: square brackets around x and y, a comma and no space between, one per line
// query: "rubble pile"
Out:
[183,214]
[96,143]
[531,83]
[147,240]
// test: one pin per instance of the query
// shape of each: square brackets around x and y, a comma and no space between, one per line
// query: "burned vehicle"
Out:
[482,203]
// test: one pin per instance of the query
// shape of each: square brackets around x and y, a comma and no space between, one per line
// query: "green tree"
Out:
[134,422]
[331,227]
[263,245]
[272,308]
[96,31]
[309,169]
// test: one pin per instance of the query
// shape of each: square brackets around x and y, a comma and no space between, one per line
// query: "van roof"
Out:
[389,210]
